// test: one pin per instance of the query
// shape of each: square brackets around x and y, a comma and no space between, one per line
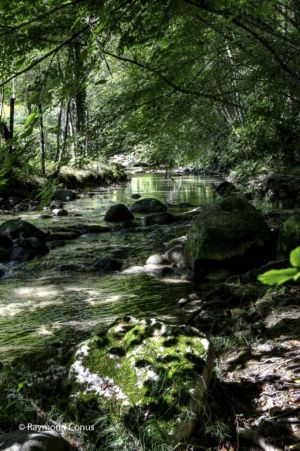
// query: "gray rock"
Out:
[147,205]
[156,259]
[175,255]
[33,441]
[56,204]
[59,212]
[118,213]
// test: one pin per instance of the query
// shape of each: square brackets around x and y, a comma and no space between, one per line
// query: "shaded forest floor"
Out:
[254,400]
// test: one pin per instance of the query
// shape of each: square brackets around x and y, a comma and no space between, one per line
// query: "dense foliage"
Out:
[214,83]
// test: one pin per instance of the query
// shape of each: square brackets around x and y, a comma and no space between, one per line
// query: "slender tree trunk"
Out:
[11,122]
[42,141]
[58,134]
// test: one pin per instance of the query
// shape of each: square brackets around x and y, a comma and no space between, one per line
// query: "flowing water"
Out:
[49,299]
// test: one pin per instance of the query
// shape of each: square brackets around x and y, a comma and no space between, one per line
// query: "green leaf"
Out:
[277,276]
[101,82]
[27,132]
[295,257]
[297,276]
[30,119]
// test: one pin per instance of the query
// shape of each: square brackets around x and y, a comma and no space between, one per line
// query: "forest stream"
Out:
[52,298]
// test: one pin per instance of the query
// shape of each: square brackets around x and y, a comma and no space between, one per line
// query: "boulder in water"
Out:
[15,228]
[118,213]
[231,234]
[147,205]
[106,264]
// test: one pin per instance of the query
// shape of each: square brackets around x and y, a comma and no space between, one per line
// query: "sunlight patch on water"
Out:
[37,292]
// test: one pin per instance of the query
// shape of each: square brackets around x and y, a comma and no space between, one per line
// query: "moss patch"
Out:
[147,375]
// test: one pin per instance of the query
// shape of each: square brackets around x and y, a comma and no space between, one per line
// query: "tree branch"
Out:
[45,56]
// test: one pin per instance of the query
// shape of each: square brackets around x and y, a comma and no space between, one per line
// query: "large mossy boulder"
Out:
[149,378]
[147,205]
[118,213]
[289,235]
[229,234]
[16,228]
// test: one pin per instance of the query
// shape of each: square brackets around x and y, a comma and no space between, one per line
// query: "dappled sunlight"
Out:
[43,291]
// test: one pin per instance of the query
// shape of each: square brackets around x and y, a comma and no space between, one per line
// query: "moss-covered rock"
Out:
[289,235]
[118,213]
[15,228]
[145,375]
[147,205]
[231,233]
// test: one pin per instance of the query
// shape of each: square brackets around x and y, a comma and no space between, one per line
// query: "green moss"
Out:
[158,368]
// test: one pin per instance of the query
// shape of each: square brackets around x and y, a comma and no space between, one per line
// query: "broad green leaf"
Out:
[295,257]
[30,119]
[277,276]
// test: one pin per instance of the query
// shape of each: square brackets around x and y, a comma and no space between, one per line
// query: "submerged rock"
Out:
[135,196]
[158,218]
[147,376]
[289,235]
[106,264]
[147,205]
[33,441]
[231,233]
[118,213]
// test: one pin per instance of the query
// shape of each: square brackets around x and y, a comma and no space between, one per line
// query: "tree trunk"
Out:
[42,141]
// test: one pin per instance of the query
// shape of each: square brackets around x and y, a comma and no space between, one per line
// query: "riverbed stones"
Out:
[231,234]
[118,213]
[289,235]
[147,205]
[33,441]
[147,376]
